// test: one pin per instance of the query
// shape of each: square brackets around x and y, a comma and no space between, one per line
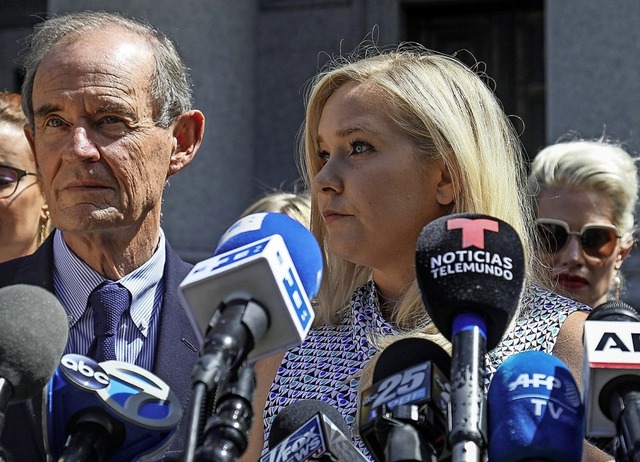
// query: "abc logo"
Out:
[84,372]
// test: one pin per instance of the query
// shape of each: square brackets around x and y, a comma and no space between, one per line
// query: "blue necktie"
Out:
[109,301]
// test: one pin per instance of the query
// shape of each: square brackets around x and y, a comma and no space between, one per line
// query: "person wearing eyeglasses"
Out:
[24,216]
[586,193]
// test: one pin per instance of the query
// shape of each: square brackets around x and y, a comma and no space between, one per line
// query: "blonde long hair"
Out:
[450,113]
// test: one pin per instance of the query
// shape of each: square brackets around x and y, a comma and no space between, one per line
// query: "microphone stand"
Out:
[227,431]
[92,439]
[405,444]
[235,328]
[468,434]
[6,391]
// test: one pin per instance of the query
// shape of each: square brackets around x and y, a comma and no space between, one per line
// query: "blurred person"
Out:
[296,205]
[393,139]
[585,194]
[24,217]
[110,119]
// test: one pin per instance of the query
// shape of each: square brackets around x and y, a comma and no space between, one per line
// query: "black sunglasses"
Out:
[597,240]
[9,179]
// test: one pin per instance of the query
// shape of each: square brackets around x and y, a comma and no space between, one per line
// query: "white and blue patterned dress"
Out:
[328,363]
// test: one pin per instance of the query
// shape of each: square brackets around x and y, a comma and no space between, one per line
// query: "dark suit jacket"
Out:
[177,349]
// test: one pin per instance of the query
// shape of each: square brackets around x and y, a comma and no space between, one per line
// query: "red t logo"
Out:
[473,230]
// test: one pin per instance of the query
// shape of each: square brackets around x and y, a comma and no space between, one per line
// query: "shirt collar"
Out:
[75,280]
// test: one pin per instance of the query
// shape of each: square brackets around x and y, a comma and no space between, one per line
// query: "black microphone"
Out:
[611,375]
[470,269]
[310,430]
[403,415]
[614,310]
[33,336]
[109,411]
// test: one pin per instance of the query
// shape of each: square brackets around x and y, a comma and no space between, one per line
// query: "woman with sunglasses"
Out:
[586,193]
[24,217]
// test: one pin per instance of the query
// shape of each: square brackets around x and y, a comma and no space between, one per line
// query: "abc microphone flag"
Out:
[112,411]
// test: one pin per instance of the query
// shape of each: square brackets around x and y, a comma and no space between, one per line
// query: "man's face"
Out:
[102,160]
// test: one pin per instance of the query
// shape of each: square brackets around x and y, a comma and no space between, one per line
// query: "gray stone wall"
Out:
[251,60]
[593,80]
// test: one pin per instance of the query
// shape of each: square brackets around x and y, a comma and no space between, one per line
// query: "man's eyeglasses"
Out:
[597,240]
[9,179]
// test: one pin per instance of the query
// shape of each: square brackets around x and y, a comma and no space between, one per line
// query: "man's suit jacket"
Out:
[177,350]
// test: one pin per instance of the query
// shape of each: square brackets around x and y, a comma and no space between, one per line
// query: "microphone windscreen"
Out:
[406,353]
[614,310]
[470,263]
[535,411]
[301,244]
[293,416]
[33,336]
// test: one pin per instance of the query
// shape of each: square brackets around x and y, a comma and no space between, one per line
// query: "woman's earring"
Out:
[45,224]
[616,286]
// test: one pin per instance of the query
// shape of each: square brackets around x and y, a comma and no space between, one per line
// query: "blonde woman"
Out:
[585,194]
[393,140]
[296,205]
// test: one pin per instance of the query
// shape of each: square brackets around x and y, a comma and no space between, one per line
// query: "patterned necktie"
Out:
[109,301]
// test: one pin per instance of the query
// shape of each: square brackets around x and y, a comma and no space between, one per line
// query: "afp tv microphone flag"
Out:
[535,411]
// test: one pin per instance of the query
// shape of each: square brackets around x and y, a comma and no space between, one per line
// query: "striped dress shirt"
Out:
[136,337]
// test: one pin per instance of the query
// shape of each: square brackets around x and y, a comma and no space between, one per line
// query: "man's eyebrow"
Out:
[45,109]
[114,109]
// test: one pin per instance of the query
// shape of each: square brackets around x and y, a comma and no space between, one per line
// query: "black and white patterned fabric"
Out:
[327,365]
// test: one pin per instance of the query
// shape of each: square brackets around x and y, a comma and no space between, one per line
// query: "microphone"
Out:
[33,336]
[403,415]
[535,411]
[109,411]
[250,299]
[611,376]
[310,430]
[267,259]
[470,270]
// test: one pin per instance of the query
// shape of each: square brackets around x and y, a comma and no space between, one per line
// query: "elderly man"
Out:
[110,120]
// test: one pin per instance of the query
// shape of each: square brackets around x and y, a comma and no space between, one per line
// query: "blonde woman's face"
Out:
[373,193]
[577,274]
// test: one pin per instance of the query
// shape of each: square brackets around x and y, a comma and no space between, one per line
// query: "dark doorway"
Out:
[506,35]
[17,18]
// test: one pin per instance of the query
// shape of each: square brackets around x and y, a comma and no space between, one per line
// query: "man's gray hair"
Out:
[170,87]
